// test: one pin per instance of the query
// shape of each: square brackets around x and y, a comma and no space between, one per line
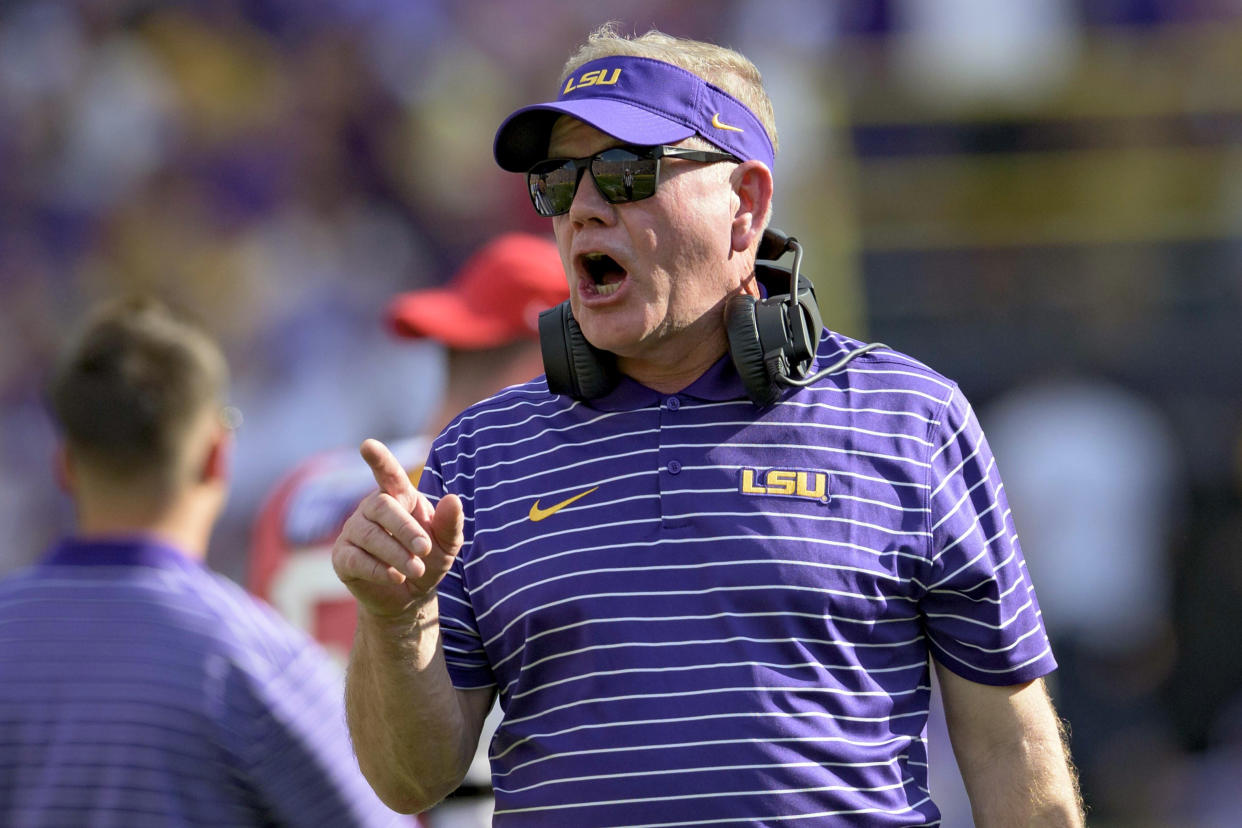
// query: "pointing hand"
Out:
[394,549]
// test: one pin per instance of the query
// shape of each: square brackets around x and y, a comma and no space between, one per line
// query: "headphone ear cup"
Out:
[810,324]
[573,365]
[595,371]
[746,349]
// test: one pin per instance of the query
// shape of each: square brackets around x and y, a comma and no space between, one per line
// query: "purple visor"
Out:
[638,101]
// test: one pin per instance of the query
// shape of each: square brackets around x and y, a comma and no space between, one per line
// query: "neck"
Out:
[669,374]
[185,524]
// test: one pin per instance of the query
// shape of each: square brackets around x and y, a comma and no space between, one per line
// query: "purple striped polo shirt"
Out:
[699,613]
[137,688]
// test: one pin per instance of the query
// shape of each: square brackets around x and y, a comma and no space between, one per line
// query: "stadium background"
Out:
[1040,198]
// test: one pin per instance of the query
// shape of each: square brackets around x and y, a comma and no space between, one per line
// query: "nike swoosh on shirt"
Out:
[719,124]
[537,514]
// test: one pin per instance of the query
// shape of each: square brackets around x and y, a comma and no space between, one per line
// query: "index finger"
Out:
[389,473]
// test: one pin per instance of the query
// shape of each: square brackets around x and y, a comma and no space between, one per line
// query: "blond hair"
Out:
[722,67]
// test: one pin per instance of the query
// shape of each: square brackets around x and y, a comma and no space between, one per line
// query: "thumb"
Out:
[389,473]
[447,524]
[445,527]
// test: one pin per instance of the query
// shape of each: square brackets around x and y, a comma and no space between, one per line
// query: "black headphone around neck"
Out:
[772,341]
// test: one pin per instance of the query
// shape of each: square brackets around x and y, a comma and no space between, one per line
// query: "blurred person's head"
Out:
[138,399]
[487,316]
[655,165]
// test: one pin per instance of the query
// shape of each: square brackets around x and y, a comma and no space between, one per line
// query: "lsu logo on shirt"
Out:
[597,77]
[811,485]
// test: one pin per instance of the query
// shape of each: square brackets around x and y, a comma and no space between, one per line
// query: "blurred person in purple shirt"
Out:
[137,687]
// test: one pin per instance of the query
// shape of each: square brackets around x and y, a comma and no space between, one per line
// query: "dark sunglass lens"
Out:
[622,175]
[552,186]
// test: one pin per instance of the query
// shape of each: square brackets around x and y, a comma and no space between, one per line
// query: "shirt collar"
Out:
[718,383]
[136,550]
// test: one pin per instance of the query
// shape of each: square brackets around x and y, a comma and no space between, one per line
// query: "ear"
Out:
[752,181]
[218,463]
[63,467]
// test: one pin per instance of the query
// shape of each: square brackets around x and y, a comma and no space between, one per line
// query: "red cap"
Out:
[493,300]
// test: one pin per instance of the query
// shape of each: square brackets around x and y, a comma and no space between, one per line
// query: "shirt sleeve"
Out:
[291,744]
[464,655]
[979,607]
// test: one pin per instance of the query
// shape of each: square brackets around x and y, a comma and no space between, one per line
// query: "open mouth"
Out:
[604,275]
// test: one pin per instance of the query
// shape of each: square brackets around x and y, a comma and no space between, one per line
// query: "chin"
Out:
[608,336]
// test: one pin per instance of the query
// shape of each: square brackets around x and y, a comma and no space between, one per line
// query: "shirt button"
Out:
[674,467]
[673,403]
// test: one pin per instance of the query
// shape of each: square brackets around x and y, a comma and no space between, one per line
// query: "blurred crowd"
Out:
[282,169]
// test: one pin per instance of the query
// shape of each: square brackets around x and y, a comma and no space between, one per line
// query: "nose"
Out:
[589,203]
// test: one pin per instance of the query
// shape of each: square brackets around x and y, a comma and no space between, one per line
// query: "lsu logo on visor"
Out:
[596,77]
[811,485]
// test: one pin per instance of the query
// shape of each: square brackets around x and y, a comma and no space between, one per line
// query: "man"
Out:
[706,592]
[486,318]
[137,688]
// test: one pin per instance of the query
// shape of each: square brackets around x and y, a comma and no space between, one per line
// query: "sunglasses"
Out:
[620,174]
